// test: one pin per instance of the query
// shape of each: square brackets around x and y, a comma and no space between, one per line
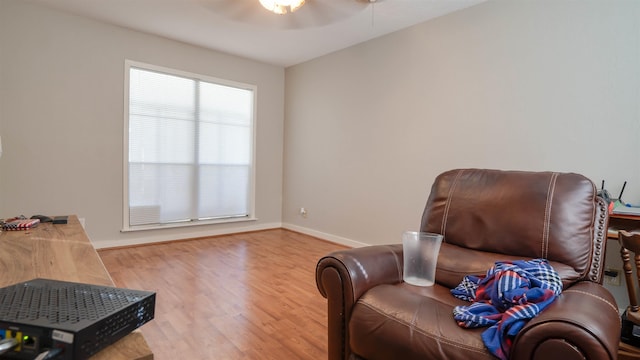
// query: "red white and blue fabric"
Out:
[505,299]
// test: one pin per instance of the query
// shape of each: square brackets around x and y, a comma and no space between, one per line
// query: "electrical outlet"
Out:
[612,276]
[303,212]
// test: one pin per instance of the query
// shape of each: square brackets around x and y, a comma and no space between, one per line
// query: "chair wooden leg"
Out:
[628,276]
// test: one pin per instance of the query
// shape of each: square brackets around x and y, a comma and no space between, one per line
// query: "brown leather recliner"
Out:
[485,216]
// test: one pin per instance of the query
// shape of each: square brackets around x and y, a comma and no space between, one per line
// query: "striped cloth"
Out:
[505,299]
[21,224]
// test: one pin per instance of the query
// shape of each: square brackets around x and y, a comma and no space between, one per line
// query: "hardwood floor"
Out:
[241,296]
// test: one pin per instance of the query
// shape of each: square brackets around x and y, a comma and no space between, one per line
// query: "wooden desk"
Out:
[63,252]
[617,222]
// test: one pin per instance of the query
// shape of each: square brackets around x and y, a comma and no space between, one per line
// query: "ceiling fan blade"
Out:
[313,13]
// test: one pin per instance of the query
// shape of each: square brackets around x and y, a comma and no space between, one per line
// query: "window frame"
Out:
[126,226]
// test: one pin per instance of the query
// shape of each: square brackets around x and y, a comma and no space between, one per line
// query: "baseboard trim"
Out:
[325,236]
[159,238]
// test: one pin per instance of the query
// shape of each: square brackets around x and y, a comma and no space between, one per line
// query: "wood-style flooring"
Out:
[242,296]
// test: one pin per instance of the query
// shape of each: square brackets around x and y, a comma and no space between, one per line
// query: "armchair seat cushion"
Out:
[382,327]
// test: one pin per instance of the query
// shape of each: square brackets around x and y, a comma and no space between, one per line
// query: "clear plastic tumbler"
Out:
[420,254]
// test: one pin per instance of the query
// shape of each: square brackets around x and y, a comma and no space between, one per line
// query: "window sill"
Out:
[186,224]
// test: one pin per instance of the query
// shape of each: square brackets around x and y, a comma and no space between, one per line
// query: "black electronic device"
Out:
[604,194]
[60,219]
[73,319]
[630,331]
[42,218]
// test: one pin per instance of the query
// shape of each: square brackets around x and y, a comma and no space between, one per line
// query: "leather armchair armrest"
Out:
[362,268]
[582,323]
[343,276]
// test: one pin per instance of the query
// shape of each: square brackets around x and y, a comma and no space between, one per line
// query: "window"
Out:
[189,152]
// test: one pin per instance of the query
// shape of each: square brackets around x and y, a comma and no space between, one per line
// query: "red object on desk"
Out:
[20,224]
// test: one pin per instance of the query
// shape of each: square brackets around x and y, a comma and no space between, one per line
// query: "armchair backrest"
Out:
[490,215]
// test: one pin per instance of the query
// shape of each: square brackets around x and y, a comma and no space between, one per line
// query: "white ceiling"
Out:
[244,28]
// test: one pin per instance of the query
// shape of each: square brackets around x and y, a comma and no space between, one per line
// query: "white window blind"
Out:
[190,147]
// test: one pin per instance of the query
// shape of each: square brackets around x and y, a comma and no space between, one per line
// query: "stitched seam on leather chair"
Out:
[443,227]
[595,296]
[444,339]
[547,216]
[399,267]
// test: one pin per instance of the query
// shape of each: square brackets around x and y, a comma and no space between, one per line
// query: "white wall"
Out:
[529,85]
[61,119]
